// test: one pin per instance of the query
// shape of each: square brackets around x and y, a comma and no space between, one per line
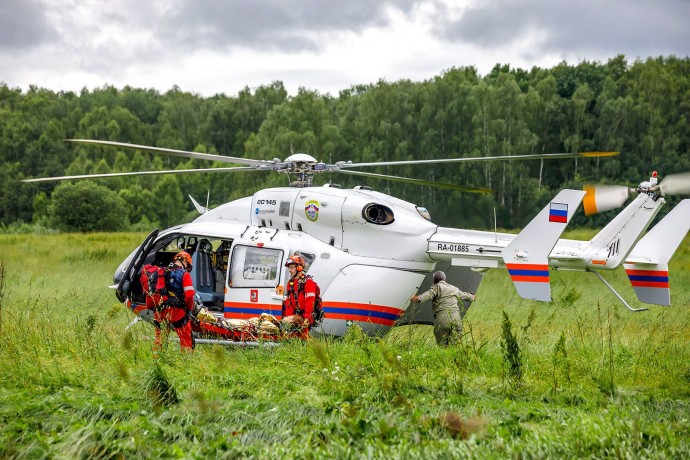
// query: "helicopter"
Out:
[370,251]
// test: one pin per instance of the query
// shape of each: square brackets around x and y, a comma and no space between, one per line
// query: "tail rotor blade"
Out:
[601,198]
[676,184]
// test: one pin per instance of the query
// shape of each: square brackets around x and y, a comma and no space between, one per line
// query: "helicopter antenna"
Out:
[208,195]
[495,227]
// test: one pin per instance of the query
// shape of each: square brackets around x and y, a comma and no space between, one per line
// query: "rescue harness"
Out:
[318,313]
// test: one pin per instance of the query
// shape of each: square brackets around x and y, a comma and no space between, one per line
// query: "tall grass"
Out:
[596,379]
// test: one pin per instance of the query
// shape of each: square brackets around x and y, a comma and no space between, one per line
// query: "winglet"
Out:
[526,256]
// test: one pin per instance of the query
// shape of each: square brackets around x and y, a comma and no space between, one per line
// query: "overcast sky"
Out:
[221,46]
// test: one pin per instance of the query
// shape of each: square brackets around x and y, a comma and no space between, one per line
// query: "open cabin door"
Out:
[129,275]
[464,278]
[254,274]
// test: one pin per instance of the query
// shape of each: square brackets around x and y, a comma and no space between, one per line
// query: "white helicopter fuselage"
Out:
[369,252]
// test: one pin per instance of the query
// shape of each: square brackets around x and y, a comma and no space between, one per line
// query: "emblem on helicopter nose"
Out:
[311,209]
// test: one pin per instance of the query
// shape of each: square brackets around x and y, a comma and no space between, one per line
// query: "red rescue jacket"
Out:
[300,297]
[179,281]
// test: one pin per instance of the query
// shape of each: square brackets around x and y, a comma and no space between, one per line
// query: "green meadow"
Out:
[578,377]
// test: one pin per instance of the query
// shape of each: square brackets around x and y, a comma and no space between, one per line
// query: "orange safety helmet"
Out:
[185,257]
[297,260]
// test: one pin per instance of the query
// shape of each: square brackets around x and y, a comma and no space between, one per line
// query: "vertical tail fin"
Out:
[526,256]
[647,264]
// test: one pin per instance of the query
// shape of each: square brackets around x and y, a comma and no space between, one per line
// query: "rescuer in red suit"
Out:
[175,308]
[300,295]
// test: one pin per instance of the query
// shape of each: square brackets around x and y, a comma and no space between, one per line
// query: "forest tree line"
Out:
[640,109]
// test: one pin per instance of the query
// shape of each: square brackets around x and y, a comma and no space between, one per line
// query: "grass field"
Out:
[580,377]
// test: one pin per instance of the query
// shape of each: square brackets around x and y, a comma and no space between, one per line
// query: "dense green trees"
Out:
[640,108]
[85,206]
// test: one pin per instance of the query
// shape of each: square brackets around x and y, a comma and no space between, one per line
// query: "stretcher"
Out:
[209,328]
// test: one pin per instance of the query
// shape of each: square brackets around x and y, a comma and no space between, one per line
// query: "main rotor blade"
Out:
[177,153]
[407,180]
[143,173]
[535,156]
[676,184]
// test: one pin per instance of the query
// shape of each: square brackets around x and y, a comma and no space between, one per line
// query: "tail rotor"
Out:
[600,198]
[676,184]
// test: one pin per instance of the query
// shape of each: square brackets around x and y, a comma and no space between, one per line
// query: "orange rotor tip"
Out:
[600,154]
[589,202]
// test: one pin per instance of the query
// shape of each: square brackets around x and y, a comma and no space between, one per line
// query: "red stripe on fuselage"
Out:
[361,318]
[364,307]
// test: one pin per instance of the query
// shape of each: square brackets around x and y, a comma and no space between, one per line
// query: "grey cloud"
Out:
[23,25]
[632,27]
[288,26]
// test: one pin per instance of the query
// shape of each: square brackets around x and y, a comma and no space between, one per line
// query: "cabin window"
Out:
[255,267]
[284,210]
[308,259]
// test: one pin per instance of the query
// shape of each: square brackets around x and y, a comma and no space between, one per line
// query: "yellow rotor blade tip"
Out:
[599,154]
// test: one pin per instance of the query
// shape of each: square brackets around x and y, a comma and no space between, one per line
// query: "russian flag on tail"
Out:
[558,212]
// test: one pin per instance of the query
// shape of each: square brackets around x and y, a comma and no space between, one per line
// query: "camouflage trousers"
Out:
[448,327]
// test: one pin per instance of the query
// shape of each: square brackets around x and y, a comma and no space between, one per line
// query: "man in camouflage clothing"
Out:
[445,298]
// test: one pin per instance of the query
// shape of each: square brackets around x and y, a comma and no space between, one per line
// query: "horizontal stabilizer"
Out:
[647,264]
[526,256]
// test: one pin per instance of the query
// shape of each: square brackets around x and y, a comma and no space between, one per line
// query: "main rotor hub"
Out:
[304,166]
[301,158]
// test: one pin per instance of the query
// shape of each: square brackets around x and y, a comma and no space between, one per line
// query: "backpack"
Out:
[153,280]
[173,282]
[318,314]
